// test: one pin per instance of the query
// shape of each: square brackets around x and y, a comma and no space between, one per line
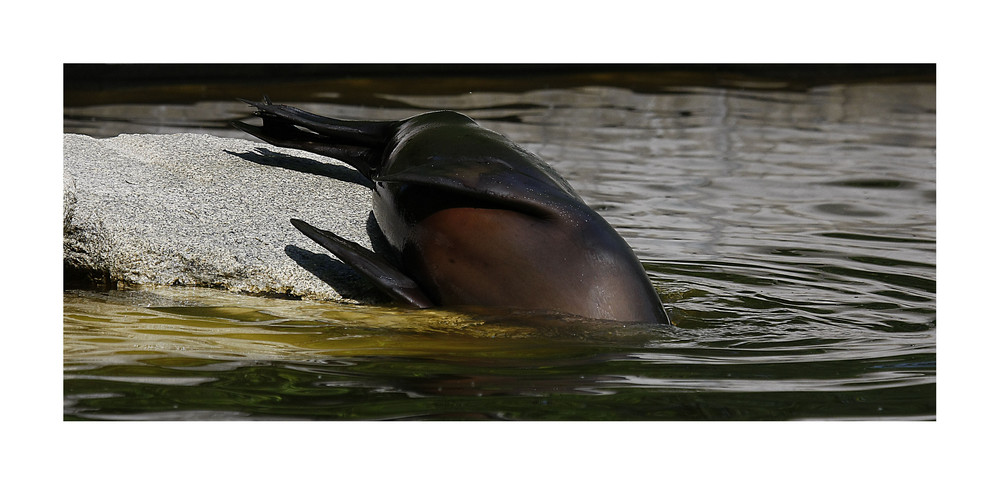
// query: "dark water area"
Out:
[785,214]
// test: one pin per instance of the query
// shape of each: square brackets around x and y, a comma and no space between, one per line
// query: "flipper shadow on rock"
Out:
[304,165]
[339,276]
[382,273]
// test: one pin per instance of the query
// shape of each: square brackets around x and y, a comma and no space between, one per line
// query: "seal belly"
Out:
[490,257]
[497,257]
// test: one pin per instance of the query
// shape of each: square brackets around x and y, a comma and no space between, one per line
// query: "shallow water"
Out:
[791,234]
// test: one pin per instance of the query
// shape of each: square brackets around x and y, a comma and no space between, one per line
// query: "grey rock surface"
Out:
[199,210]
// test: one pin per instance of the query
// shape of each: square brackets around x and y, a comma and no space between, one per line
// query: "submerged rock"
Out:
[198,210]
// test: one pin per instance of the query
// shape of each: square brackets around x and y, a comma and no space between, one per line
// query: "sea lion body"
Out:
[471,218]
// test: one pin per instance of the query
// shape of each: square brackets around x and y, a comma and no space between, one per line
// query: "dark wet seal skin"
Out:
[470,218]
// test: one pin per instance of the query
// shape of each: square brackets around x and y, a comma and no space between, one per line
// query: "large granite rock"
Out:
[200,210]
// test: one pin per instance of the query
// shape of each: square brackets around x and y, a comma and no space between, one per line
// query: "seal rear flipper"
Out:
[287,136]
[350,132]
[380,272]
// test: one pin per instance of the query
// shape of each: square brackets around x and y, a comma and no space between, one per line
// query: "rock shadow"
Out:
[341,277]
[270,158]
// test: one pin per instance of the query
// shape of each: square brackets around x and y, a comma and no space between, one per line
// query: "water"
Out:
[790,231]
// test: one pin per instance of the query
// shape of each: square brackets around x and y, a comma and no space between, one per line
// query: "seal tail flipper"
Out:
[380,272]
[362,159]
[349,132]
[355,142]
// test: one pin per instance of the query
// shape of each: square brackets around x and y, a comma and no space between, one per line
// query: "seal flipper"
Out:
[380,272]
[358,143]
[350,132]
[290,137]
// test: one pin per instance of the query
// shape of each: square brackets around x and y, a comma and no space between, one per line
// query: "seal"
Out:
[469,218]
